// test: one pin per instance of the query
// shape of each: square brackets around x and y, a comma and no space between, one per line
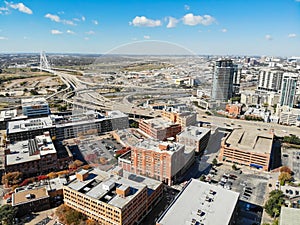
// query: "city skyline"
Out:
[204,27]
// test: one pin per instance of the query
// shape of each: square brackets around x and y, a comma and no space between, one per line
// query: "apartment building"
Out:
[248,147]
[31,157]
[195,137]
[159,160]
[159,128]
[112,199]
[185,119]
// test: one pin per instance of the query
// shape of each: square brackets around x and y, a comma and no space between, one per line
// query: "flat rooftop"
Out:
[29,196]
[251,140]
[33,101]
[101,186]
[116,114]
[159,123]
[200,203]
[29,124]
[7,115]
[289,216]
[156,145]
[30,150]
[194,132]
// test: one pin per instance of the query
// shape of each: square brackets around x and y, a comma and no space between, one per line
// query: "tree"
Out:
[12,178]
[285,169]
[234,167]
[7,214]
[274,203]
[284,177]
[215,162]
[69,216]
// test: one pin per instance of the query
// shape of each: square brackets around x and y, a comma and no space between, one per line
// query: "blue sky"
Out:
[256,27]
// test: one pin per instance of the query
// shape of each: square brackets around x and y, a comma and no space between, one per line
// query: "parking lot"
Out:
[291,158]
[251,184]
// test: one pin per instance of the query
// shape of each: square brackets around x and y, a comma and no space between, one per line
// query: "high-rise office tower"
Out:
[288,89]
[226,80]
[270,80]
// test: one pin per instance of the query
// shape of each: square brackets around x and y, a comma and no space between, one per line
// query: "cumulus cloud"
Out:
[91,32]
[193,20]
[4,10]
[57,19]
[20,6]
[95,22]
[172,22]
[56,32]
[187,7]
[224,30]
[142,21]
[268,37]
[3,38]
[146,37]
[70,32]
[292,35]
[83,18]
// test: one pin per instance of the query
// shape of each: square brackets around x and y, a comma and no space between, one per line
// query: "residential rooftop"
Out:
[258,141]
[30,150]
[200,203]
[101,185]
[29,124]
[159,146]
[29,196]
[194,132]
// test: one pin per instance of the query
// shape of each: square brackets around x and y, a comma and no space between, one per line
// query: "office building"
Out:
[248,147]
[289,216]
[31,157]
[288,89]
[160,128]
[159,160]
[226,78]
[270,79]
[33,200]
[201,203]
[122,198]
[185,118]
[34,107]
[194,137]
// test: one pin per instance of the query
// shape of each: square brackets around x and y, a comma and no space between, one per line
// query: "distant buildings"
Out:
[248,147]
[201,203]
[31,157]
[159,128]
[162,161]
[194,137]
[35,107]
[226,78]
[112,199]
[270,79]
[288,89]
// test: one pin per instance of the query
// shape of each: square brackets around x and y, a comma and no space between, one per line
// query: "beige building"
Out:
[117,199]
[248,147]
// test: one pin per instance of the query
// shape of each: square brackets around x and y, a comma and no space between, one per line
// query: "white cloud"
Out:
[86,38]
[4,10]
[292,35]
[56,32]
[193,20]
[142,21]
[187,7]
[268,37]
[172,22]
[76,19]
[3,38]
[83,18]
[70,32]
[224,30]
[52,17]
[91,32]
[146,37]
[20,6]
[57,19]
[95,22]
